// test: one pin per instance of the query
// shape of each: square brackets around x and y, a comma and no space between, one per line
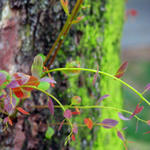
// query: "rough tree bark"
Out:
[29,27]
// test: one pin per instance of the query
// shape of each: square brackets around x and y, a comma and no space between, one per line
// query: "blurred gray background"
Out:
[137,29]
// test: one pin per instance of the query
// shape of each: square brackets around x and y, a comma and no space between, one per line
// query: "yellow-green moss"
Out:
[99,45]
[114,15]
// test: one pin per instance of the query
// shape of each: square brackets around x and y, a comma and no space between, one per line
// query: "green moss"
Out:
[110,62]
[99,45]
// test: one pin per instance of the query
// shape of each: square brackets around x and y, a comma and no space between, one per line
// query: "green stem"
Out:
[103,73]
[94,107]
[64,31]
[62,107]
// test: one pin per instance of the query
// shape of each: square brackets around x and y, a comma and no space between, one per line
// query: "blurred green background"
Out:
[137,75]
[136,50]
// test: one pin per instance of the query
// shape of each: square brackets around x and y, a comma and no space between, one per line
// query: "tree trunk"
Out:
[29,27]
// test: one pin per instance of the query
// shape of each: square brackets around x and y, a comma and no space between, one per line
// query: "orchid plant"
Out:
[14,89]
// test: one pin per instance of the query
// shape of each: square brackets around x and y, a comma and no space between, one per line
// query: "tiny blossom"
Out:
[68,114]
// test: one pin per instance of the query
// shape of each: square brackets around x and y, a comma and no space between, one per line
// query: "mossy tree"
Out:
[31,27]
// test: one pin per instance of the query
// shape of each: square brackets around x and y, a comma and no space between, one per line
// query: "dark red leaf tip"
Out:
[137,110]
[121,70]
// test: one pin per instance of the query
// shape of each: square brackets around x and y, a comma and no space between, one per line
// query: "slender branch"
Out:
[92,107]
[64,32]
[103,73]
[54,56]
[62,107]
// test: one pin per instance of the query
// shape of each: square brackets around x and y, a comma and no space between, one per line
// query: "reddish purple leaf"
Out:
[121,70]
[5,120]
[122,117]
[13,84]
[101,98]
[109,123]
[67,114]
[61,124]
[75,128]
[51,106]
[9,104]
[21,78]
[137,110]
[147,87]
[2,78]
[119,134]
[47,79]
[95,76]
